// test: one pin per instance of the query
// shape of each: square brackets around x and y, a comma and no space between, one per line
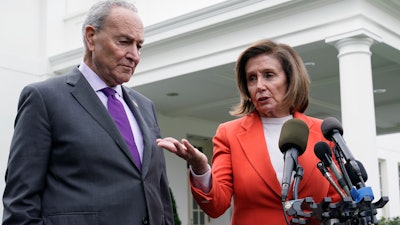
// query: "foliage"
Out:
[389,221]
[177,221]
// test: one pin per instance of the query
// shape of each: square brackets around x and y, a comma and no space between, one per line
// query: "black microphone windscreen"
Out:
[321,150]
[355,179]
[329,125]
[294,134]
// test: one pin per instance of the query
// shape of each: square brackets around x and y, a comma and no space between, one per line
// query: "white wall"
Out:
[21,62]
[389,153]
[65,18]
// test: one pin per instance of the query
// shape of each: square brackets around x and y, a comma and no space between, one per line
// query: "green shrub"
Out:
[389,221]
[177,221]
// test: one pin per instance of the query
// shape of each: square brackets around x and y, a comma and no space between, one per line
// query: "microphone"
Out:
[354,178]
[358,180]
[292,143]
[332,130]
[323,152]
[321,166]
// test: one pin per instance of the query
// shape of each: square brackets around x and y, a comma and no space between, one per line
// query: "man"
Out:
[69,162]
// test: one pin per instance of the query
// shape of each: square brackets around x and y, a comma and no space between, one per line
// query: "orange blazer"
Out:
[242,172]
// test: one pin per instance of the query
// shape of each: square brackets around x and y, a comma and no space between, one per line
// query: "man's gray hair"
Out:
[98,13]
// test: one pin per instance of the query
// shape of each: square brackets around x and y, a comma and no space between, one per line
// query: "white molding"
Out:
[64,61]
[362,32]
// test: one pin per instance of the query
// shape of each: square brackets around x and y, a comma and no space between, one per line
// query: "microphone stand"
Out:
[297,178]
[345,212]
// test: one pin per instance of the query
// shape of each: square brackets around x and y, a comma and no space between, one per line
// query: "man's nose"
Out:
[133,53]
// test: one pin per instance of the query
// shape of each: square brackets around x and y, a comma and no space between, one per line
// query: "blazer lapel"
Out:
[253,145]
[89,100]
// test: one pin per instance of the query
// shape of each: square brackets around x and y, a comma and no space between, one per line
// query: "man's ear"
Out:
[90,35]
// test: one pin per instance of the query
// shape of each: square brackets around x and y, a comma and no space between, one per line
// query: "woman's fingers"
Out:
[174,146]
[187,151]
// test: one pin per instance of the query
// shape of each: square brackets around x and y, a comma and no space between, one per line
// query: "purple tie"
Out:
[117,112]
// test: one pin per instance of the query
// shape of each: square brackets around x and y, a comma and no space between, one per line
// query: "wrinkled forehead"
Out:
[124,21]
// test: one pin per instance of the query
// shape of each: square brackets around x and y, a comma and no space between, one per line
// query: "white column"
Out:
[357,104]
[391,187]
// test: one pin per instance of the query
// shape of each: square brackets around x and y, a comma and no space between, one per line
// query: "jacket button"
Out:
[145,221]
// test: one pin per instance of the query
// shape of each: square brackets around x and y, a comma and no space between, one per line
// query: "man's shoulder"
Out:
[72,76]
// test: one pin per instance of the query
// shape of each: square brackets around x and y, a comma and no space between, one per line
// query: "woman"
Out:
[247,164]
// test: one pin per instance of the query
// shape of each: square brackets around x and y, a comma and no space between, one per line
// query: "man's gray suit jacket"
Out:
[69,164]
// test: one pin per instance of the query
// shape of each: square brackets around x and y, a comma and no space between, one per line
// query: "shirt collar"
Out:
[95,81]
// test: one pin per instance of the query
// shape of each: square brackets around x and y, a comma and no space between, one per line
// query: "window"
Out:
[198,216]
[398,174]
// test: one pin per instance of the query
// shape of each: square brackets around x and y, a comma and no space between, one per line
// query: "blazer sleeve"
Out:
[218,200]
[29,154]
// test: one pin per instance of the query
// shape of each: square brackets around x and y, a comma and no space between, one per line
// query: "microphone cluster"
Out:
[348,180]
[332,130]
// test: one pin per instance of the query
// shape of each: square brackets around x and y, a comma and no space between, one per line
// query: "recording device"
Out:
[332,130]
[292,143]
[323,152]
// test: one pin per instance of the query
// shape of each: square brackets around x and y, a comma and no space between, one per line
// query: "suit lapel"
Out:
[89,100]
[253,145]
